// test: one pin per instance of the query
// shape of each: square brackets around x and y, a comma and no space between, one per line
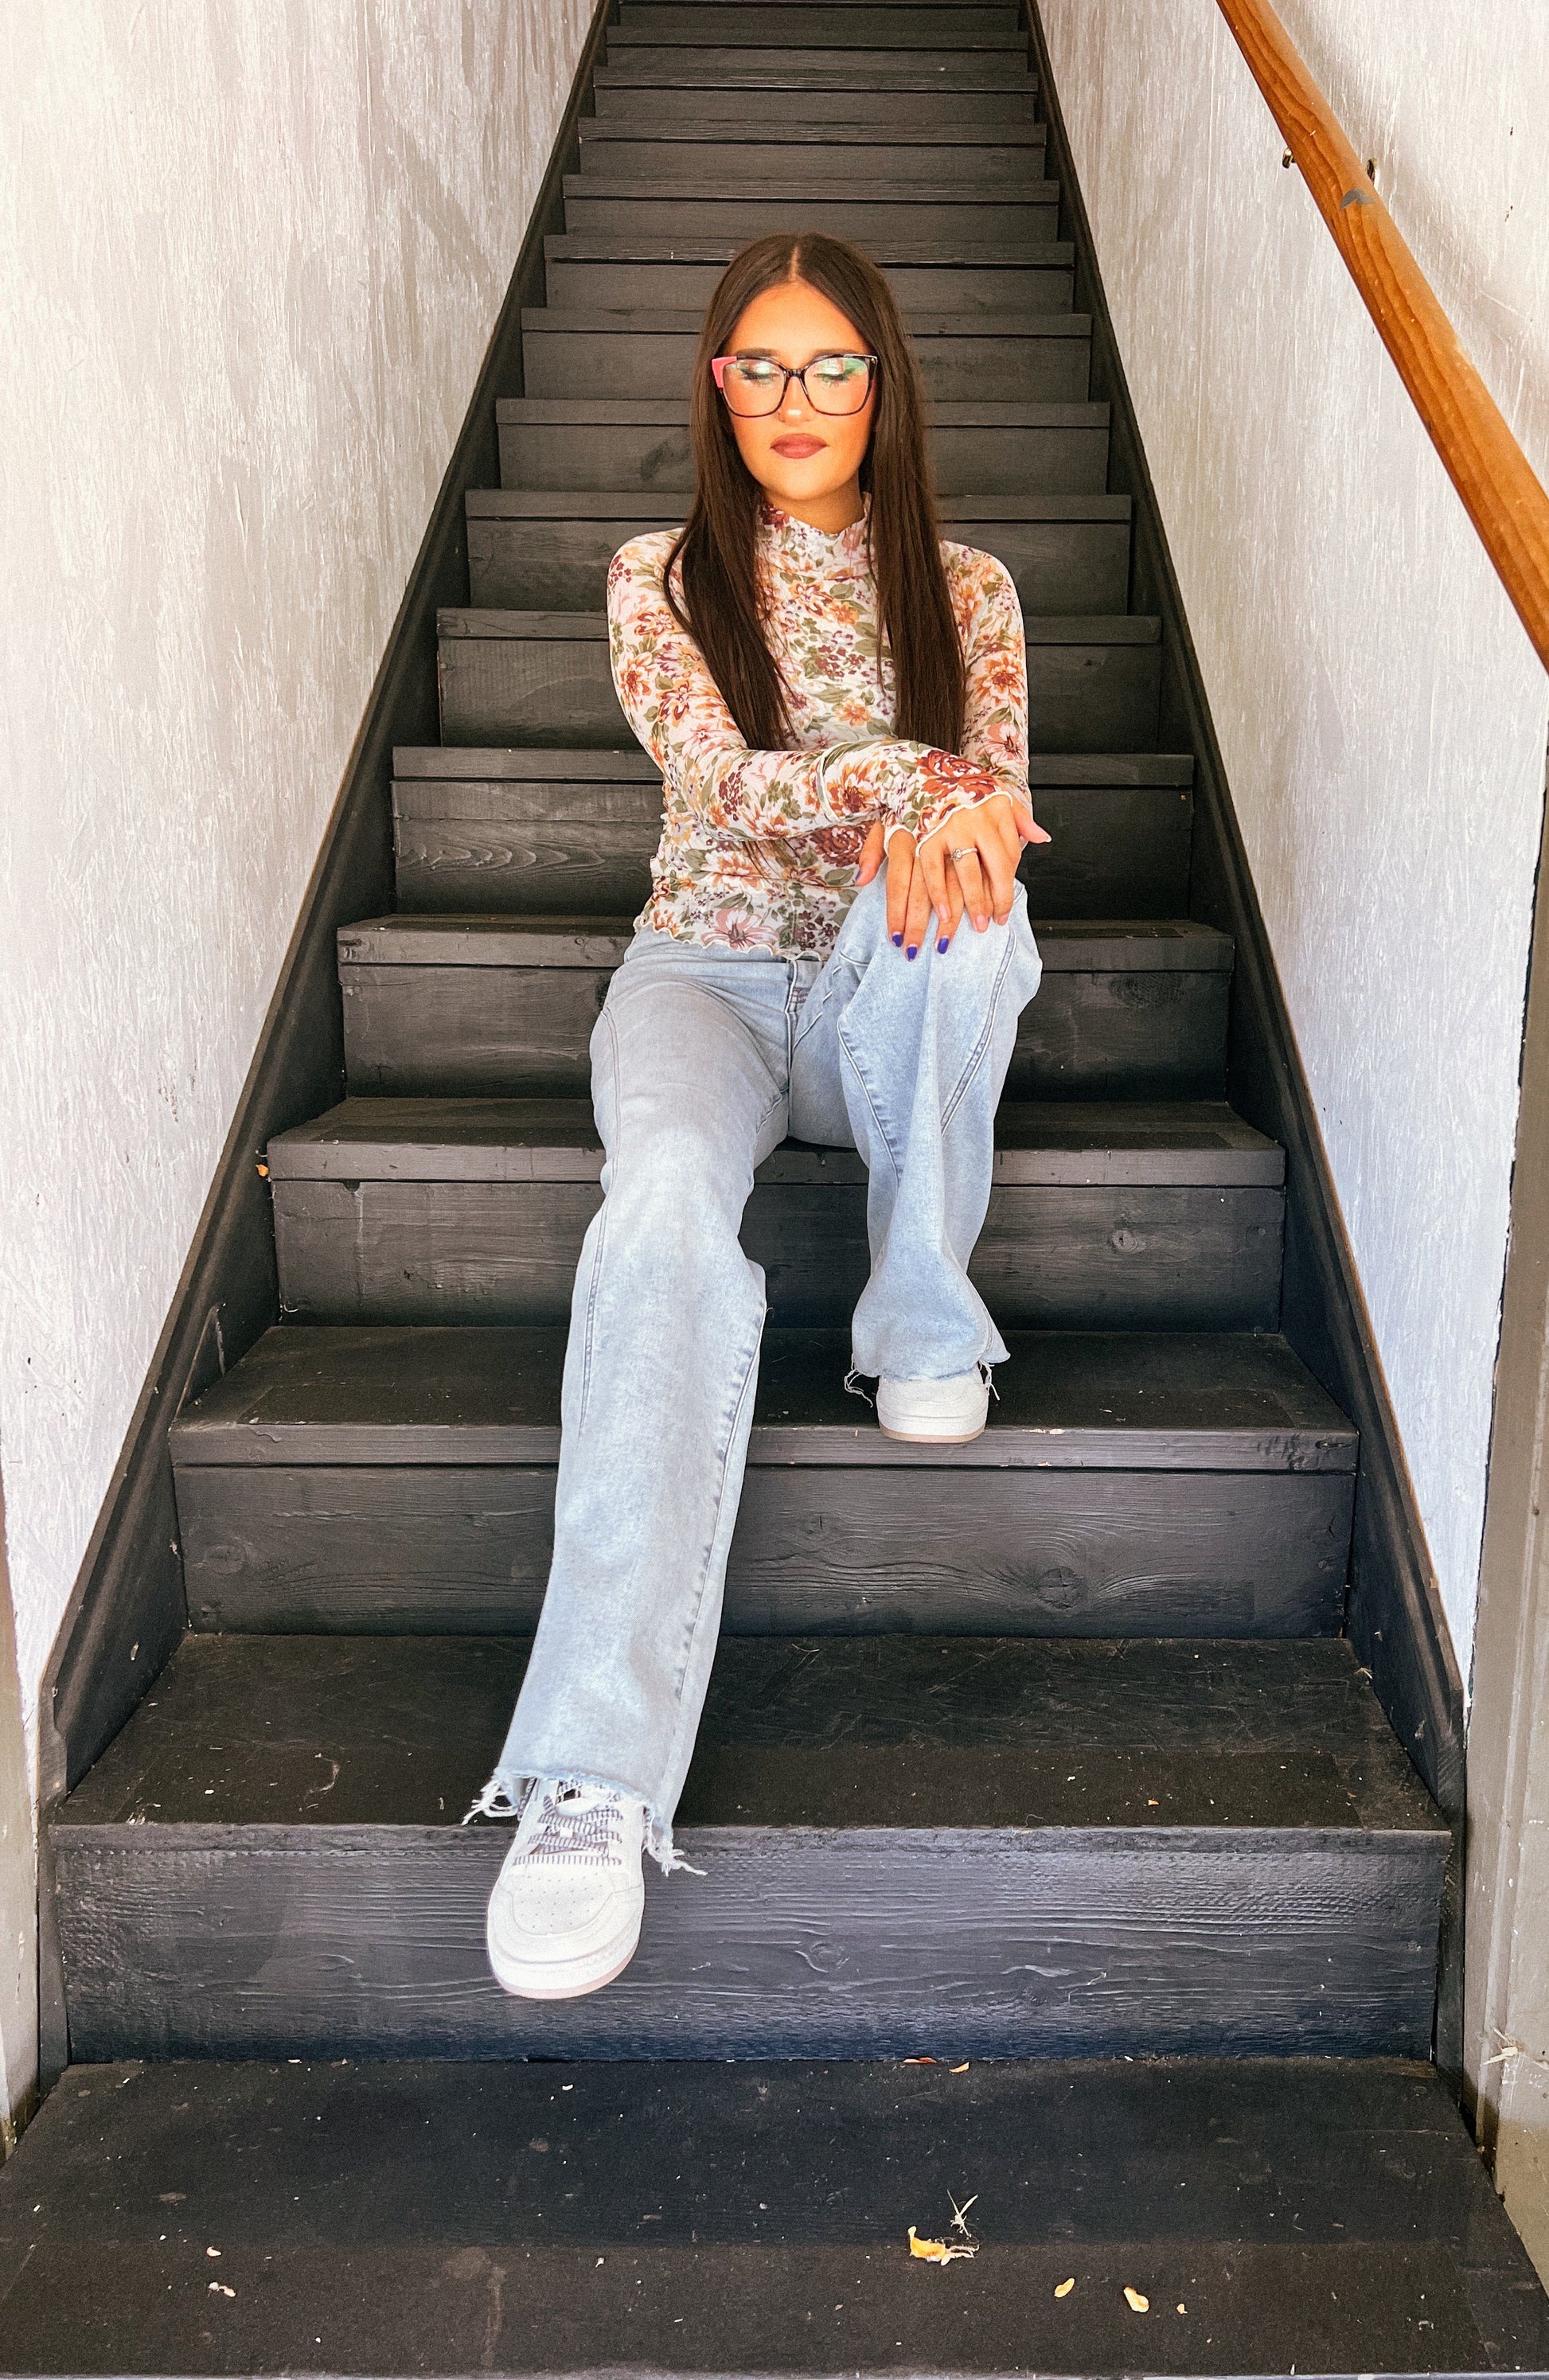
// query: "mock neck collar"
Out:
[837,551]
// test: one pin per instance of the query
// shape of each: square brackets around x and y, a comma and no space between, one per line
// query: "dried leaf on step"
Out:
[937,2252]
[960,2069]
[1136,2303]
[1063,2288]
[919,2061]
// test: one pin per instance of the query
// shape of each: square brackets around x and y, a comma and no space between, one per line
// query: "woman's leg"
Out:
[909,1057]
[689,1078]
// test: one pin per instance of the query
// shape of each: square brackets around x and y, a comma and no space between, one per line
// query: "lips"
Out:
[797,448]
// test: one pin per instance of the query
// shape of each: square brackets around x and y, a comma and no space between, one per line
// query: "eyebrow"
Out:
[767,354]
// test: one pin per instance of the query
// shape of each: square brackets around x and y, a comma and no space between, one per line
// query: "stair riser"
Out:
[1048,1258]
[869,72]
[436,1031]
[1117,852]
[946,167]
[1065,460]
[1004,368]
[519,690]
[919,288]
[810,23]
[898,33]
[744,113]
[1071,568]
[361,1941]
[438,1551]
[690,215]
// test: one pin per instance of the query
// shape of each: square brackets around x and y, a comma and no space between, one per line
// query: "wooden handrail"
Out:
[1501,493]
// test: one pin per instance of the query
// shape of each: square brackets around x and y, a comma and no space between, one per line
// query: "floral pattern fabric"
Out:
[760,849]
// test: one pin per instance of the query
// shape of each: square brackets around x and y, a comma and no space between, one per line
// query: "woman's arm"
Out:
[677,710]
[995,710]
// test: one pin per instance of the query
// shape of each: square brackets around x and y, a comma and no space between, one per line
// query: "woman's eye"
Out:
[757,375]
[833,369]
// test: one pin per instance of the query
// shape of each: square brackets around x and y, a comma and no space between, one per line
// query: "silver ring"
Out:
[964,852]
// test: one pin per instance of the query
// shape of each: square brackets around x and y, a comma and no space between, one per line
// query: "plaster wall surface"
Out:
[250,258]
[1382,715]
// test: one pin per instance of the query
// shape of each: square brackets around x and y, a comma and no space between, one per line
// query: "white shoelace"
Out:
[589,1836]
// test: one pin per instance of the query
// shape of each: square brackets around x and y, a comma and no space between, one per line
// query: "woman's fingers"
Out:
[871,854]
[971,876]
[918,915]
[949,917]
[901,876]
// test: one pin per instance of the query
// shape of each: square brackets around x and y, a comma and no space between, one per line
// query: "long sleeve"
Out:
[676,710]
[995,722]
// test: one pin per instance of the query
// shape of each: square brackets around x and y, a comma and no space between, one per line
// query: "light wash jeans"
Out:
[703,1060]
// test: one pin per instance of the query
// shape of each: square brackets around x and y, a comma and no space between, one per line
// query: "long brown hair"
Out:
[716,551]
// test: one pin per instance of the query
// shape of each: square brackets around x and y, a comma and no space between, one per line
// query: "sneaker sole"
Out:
[564,1979]
[927,1436]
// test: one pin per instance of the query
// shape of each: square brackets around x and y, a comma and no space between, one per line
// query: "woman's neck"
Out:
[838,510]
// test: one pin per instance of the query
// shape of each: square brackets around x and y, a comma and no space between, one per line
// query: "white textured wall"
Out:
[250,257]
[1381,712]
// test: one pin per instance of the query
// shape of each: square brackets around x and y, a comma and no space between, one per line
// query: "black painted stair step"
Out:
[807,26]
[978,449]
[754,2219]
[648,352]
[850,114]
[837,136]
[894,211]
[1136,1145]
[1182,1485]
[484,1222]
[807,70]
[1104,1401]
[460,1006]
[553,830]
[577,275]
[1094,685]
[1055,1846]
[548,551]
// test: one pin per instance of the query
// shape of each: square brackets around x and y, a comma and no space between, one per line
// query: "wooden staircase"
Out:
[1048,1750]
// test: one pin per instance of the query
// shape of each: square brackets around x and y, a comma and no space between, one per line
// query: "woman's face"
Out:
[807,462]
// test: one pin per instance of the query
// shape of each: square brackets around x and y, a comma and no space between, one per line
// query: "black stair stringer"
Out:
[129,1609]
[1395,1618]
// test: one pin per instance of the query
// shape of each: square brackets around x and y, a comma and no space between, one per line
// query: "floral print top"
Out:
[760,849]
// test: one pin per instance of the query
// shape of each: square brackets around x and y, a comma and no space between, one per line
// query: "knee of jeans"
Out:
[679,1167]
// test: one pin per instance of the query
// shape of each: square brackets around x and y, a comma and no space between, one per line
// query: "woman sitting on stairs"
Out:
[837,701]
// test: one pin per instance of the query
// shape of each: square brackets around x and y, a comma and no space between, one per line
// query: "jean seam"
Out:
[693,1628]
[977,1055]
[594,1287]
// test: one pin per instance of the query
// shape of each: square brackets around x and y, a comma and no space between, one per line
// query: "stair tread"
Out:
[920,1732]
[1152,1143]
[793,132]
[433,1393]
[672,413]
[682,182]
[636,503]
[1165,945]
[793,70]
[634,322]
[591,627]
[700,247]
[557,764]
[753,2217]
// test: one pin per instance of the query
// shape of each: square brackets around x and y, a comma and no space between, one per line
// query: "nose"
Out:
[795,404]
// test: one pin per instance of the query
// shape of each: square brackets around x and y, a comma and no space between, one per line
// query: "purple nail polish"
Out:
[913,952]
[898,941]
[942,944]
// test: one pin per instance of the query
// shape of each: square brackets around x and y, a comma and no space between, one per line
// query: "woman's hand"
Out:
[979,882]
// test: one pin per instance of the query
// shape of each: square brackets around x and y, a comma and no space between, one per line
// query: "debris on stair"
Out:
[1063,2288]
[937,2252]
[1136,2303]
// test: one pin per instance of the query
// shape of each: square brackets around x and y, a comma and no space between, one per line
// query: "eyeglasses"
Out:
[754,384]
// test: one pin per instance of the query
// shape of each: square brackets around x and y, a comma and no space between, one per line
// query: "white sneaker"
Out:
[936,1412]
[565,1915]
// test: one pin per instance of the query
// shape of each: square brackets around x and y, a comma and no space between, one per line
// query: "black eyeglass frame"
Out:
[794,371]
